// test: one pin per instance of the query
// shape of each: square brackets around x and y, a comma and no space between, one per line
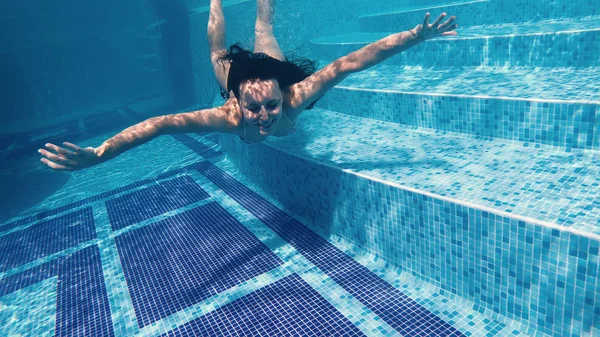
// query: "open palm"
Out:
[69,158]
[428,31]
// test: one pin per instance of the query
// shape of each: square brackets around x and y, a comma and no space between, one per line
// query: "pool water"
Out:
[190,248]
[453,190]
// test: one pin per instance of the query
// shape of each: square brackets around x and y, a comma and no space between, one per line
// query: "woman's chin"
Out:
[265,131]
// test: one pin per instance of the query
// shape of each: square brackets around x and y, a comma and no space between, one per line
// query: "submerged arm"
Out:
[210,120]
[316,85]
[73,157]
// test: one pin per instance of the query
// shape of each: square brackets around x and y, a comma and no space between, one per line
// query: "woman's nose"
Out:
[263,113]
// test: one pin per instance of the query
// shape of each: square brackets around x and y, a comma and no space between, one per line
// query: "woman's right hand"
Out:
[428,31]
[74,158]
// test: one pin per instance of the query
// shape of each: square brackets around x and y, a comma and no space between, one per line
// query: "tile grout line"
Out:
[373,263]
[293,257]
[98,240]
[467,204]
[512,324]
[501,98]
[122,312]
[197,310]
[153,182]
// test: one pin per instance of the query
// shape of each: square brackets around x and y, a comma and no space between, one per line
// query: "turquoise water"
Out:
[452,190]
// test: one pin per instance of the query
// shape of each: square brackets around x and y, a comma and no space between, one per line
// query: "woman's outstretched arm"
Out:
[304,93]
[216,42]
[72,157]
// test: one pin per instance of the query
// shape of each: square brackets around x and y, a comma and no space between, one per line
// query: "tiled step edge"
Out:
[468,12]
[556,49]
[472,13]
[550,122]
[536,273]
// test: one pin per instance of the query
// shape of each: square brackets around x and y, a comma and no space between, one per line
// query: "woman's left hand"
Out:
[428,31]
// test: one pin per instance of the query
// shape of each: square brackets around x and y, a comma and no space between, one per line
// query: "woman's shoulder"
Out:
[227,116]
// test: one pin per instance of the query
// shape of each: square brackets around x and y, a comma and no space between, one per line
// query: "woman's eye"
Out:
[272,106]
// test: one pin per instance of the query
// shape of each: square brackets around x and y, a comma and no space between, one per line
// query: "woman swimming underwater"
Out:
[265,92]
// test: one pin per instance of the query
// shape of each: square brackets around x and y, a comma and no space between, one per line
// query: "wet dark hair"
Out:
[246,65]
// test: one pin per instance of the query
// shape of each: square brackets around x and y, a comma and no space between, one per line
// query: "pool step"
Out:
[478,12]
[512,228]
[559,107]
[503,176]
[566,43]
[398,19]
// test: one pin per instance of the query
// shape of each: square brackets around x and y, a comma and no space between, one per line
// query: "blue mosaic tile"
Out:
[535,44]
[395,308]
[182,260]
[28,277]
[498,263]
[46,238]
[47,213]
[152,201]
[122,189]
[542,183]
[564,124]
[196,146]
[60,209]
[389,85]
[288,307]
[10,225]
[467,11]
[82,307]
[470,13]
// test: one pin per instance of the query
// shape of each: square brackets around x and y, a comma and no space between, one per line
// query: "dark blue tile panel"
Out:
[44,214]
[197,146]
[288,307]
[82,307]
[28,277]
[46,238]
[152,201]
[60,209]
[394,307]
[182,260]
[10,225]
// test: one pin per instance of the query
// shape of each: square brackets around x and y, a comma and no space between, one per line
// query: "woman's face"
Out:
[261,103]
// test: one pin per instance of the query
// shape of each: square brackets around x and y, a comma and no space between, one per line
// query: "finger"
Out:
[55,158]
[451,28]
[453,33]
[72,146]
[55,166]
[439,19]
[426,21]
[448,22]
[60,150]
